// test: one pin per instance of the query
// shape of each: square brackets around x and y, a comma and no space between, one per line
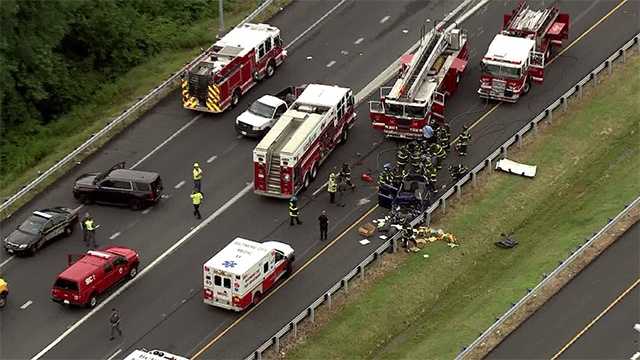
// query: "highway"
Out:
[584,320]
[163,309]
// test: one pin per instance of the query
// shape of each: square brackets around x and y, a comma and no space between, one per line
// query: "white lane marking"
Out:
[384,19]
[179,185]
[146,211]
[26,305]
[331,63]
[357,42]
[211,159]
[315,24]
[7,261]
[114,235]
[162,144]
[320,188]
[114,354]
[145,270]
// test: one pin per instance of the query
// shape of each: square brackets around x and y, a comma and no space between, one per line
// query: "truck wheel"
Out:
[3,300]
[288,271]
[257,297]
[235,98]
[93,301]
[135,204]
[133,272]
[527,87]
[345,136]
[306,182]
[314,171]
[271,69]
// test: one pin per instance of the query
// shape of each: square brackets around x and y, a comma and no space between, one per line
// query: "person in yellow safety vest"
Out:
[196,199]
[293,211]
[89,227]
[197,177]
[332,188]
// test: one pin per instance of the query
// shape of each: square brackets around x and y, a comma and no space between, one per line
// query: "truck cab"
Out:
[263,113]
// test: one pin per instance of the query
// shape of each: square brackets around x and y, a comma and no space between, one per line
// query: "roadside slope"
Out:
[429,308]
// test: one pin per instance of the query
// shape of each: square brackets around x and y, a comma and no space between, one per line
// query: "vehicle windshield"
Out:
[66,284]
[501,71]
[33,225]
[261,109]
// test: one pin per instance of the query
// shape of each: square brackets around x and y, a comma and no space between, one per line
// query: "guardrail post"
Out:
[394,245]
[361,269]
[444,205]
[623,54]
[595,78]
[329,300]
[610,67]
[458,191]
[345,284]
[565,104]
[519,140]
[549,115]
[312,314]
[474,179]
[490,165]
[277,344]
[427,218]
[580,91]
[259,355]
[534,125]
[503,150]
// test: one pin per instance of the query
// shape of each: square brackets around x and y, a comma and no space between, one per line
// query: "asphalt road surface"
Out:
[163,308]
[562,326]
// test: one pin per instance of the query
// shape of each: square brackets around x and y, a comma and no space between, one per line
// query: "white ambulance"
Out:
[241,273]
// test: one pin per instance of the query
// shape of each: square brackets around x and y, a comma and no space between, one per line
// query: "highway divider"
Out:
[151,98]
[391,244]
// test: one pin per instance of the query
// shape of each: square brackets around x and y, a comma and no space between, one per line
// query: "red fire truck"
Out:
[418,96]
[519,53]
[241,273]
[287,158]
[246,55]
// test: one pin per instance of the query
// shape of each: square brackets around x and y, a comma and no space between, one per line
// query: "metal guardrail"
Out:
[391,244]
[153,95]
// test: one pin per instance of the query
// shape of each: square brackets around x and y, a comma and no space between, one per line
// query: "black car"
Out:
[41,227]
[119,186]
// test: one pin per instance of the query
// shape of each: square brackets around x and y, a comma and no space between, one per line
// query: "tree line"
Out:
[54,54]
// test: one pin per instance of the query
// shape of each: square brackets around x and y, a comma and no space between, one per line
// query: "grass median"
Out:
[71,130]
[429,308]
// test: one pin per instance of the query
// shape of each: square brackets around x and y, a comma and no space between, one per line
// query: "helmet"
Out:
[332,176]
[196,165]
[387,166]
[293,199]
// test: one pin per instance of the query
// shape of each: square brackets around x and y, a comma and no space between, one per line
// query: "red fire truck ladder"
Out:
[527,21]
[273,154]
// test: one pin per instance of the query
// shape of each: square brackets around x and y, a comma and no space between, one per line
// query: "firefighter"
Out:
[463,141]
[89,227]
[345,176]
[407,236]
[402,156]
[438,153]
[457,171]
[416,161]
[197,177]
[433,180]
[397,176]
[114,321]
[444,136]
[294,212]
[196,200]
[385,176]
[332,188]
[323,220]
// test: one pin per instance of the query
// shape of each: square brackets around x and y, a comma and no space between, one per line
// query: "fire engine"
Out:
[418,96]
[287,158]
[244,56]
[519,53]
[243,271]
[144,354]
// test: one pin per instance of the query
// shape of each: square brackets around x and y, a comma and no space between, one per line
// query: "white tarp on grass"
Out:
[516,168]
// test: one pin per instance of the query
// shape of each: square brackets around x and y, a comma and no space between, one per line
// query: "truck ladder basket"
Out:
[432,51]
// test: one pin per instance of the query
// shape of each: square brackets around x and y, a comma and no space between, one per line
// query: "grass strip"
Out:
[431,308]
[69,131]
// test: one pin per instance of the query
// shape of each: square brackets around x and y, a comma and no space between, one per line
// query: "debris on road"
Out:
[364,242]
[367,229]
[516,168]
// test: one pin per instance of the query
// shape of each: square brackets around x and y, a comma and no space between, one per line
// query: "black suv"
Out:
[119,186]
[41,227]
